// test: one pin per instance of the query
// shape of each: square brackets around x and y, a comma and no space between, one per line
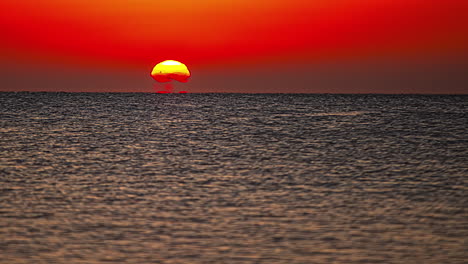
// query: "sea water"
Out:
[233,178]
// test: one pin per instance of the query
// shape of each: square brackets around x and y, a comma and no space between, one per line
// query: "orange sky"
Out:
[209,33]
[143,31]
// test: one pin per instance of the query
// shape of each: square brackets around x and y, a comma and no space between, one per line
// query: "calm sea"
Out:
[233,178]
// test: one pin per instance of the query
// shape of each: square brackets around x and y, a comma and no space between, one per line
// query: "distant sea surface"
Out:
[233,178]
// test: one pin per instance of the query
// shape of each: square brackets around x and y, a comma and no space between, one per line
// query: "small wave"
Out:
[351,113]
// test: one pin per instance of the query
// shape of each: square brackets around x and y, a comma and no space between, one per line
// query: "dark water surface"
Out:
[232,178]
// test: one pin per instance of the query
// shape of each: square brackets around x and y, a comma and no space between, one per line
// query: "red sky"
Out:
[228,42]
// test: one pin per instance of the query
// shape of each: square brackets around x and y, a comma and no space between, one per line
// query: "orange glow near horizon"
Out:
[209,31]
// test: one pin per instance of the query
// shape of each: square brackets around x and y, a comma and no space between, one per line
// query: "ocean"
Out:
[233,178]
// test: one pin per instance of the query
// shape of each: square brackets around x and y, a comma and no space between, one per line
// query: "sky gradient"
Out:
[315,46]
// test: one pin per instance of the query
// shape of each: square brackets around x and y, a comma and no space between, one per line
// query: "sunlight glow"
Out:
[170,70]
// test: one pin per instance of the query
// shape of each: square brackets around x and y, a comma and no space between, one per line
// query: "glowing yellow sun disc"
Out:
[170,70]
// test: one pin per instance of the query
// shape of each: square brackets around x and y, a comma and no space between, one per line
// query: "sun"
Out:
[170,70]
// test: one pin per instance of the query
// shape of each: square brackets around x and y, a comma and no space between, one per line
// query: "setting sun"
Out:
[170,70]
